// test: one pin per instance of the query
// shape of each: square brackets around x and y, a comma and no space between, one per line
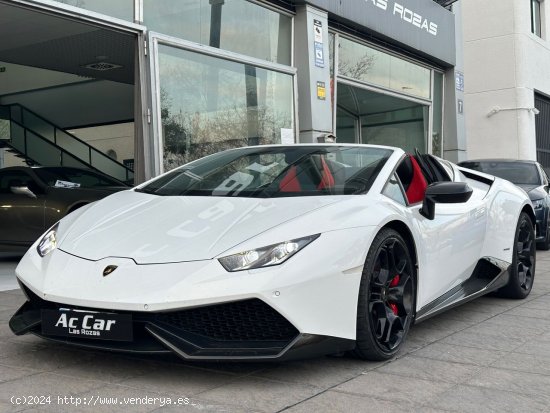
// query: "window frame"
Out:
[536,18]
[394,173]
[337,77]
[403,194]
[159,39]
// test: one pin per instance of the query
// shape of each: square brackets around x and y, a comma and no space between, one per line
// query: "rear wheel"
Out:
[386,298]
[522,270]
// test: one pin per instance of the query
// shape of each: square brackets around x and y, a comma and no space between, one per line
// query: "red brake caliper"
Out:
[394,283]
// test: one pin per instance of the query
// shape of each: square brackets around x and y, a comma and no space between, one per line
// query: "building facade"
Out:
[138,87]
[506,60]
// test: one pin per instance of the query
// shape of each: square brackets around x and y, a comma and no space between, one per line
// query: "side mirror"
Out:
[22,190]
[444,193]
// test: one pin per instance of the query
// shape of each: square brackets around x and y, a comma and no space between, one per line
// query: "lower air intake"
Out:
[248,320]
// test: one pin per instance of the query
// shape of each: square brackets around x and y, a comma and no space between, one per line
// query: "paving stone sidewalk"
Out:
[489,355]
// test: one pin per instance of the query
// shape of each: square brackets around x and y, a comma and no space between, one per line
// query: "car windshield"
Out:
[73,177]
[282,171]
[520,173]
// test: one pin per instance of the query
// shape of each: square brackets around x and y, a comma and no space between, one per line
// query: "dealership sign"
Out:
[87,324]
[405,14]
[421,26]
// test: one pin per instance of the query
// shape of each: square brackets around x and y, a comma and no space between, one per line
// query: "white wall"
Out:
[85,103]
[504,64]
[117,137]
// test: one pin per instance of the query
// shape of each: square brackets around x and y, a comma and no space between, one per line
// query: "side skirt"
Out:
[489,275]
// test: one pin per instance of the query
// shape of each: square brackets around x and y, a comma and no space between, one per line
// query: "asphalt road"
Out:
[488,355]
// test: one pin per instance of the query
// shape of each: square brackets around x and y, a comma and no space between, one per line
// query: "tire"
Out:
[522,270]
[387,294]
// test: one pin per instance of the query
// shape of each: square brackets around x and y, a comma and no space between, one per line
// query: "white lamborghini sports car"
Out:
[278,252]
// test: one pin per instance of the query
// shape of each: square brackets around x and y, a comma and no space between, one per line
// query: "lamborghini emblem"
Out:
[109,269]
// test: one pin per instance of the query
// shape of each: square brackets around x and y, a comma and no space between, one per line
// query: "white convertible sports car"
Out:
[278,252]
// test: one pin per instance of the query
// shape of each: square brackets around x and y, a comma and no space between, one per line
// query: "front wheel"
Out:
[522,270]
[386,298]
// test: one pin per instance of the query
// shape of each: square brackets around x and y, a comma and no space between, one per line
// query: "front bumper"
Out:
[241,330]
[316,290]
[314,295]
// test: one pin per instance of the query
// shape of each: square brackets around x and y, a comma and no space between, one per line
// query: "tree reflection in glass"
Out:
[243,105]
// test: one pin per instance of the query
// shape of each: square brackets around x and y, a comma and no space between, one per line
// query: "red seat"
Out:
[290,182]
[418,185]
[327,180]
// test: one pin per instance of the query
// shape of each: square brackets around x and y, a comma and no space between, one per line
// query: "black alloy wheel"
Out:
[522,270]
[525,254]
[386,299]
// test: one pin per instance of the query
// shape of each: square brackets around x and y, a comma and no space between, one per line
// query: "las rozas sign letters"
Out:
[407,15]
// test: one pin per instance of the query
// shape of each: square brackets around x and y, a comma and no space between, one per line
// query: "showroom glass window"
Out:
[122,9]
[363,63]
[536,23]
[209,104]
[235,25]
[385,99]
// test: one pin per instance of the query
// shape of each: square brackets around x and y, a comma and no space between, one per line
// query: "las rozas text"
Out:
[407,15]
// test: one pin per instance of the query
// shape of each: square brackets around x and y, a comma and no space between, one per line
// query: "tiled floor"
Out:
[488,355]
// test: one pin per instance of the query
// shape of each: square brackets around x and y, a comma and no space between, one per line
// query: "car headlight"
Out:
[48,242]
[267,256]
[538,203]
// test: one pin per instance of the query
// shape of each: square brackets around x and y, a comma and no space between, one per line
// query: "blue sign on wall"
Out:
[319,56]
[459,81]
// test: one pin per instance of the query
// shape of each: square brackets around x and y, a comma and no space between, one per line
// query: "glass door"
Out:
[371,117]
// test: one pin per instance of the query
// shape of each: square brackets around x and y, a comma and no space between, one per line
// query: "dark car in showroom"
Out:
[531,177]
[32,199]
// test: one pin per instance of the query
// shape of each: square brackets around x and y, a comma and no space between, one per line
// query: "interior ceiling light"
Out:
[102,66]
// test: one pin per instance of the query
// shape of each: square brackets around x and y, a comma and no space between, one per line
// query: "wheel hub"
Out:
[525,256]
[390,294]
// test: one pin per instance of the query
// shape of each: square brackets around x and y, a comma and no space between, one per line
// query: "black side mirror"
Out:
[444,193]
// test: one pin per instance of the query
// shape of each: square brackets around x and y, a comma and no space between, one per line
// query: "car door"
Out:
[21,216]
[451,241]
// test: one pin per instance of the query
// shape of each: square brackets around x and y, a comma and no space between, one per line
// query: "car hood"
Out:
[157,229]
[534,191]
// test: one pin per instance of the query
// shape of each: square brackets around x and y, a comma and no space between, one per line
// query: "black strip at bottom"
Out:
[489,275]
